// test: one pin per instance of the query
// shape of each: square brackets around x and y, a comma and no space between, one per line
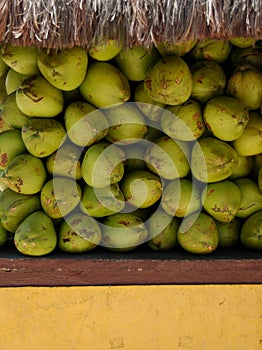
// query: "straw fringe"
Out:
[65,23]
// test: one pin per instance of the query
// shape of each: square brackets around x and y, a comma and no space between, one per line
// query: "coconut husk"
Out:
[60,24]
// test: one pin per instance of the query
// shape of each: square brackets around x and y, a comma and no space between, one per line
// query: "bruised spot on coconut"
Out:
[199,80]
[210,191]
[32,96]
[124,222]
[76,221]
[4,159]
[208,57]
[148,83]
[115,127]
[106,239]
[209,128]
[75,194]
[217,209]
[165,84]
[222,109]
[124,98]
[19,184]
[47,201]
[54,73]
[196,116]
[200,125]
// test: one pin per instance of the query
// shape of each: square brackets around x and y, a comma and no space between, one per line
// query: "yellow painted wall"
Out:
[211,317]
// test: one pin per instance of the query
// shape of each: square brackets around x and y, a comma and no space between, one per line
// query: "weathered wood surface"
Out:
[140,267]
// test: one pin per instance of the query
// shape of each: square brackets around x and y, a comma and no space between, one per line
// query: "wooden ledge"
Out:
[139,267]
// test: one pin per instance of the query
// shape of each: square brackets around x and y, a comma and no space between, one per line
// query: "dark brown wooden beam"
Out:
[137,268]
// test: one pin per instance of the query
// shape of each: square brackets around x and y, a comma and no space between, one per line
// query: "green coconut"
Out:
[183,122]
[64,69]
[211,49]
[141,188]
[135,62]
[4,236]
[72,96]
[251,55]
[181,198]
[228,233]
[105,50]
[11,113]
[3,67]
[242,42]
[22,59]
[245,84]
[154,133]
[42,137]
[135,156]
[259,179]
[3,186]
[15,207]
[78,233]
[251,197]
[250,141]
[105,85]
[142,213]
[103,201]
[175,49]
[162,230]
[168,158]
[13,80]
[4,126]
[251,232]
[123,232]
[257,164]
[150,108]
[126,124]
[36,235]
[36,97]
[222,200]
[11,145]
[102,164]
[25,174]
[59,196]
[209,80]
[169,81]
[84,123]
[3,92]
[198,234]
[212,160]
[243,168]
[225,117]
[65,162]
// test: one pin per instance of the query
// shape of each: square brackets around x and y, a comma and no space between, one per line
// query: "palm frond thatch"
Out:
[66,23]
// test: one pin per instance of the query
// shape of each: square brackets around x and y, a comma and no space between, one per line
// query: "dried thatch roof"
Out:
[65,23]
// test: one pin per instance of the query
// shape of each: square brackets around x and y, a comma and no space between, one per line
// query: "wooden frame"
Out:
[138,267]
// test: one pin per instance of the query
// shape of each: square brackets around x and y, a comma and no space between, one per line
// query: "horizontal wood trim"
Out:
[141,267]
